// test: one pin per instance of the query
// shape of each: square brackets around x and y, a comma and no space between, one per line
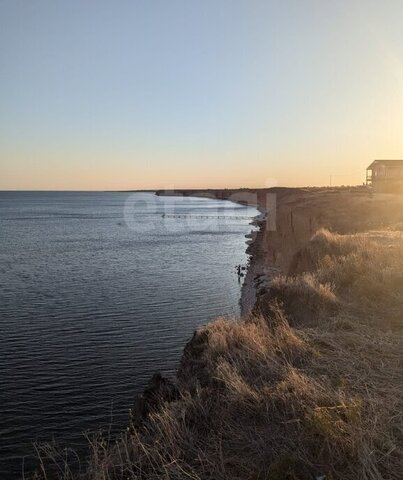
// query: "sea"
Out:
[98,291]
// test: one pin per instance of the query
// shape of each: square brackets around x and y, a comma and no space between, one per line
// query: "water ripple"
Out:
[90,308]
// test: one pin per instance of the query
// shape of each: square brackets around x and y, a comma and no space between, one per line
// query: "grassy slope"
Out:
[310,384]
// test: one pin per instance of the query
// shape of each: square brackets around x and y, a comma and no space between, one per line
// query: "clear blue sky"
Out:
[142,94]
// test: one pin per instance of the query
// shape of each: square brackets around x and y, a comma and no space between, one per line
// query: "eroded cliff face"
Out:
[301,212]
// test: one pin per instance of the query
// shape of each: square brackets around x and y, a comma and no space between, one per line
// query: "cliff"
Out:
[307,385]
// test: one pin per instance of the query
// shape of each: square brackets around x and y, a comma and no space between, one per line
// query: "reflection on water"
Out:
[97,292]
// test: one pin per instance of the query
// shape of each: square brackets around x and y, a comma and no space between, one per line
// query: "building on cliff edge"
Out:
[386,176]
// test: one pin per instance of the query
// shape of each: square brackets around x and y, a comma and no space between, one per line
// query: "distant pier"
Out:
[223,217]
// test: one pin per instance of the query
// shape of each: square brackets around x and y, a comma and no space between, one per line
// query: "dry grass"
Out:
[312,392]
[304,297]
[332,274]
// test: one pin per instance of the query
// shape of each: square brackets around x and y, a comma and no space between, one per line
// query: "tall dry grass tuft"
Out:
[304,297]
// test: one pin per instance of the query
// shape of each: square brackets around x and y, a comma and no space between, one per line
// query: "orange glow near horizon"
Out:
[301,96]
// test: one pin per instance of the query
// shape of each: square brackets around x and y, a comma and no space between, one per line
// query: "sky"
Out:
[144,94]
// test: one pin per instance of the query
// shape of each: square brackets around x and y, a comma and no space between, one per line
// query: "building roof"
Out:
[386,163]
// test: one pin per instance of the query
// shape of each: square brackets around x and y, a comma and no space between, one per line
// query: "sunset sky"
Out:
[128,94]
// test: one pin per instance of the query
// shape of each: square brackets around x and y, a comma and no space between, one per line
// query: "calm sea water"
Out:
[97,292]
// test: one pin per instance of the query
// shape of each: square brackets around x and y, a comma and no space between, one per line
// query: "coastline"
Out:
[300,212]
[257,274]
[305,384]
